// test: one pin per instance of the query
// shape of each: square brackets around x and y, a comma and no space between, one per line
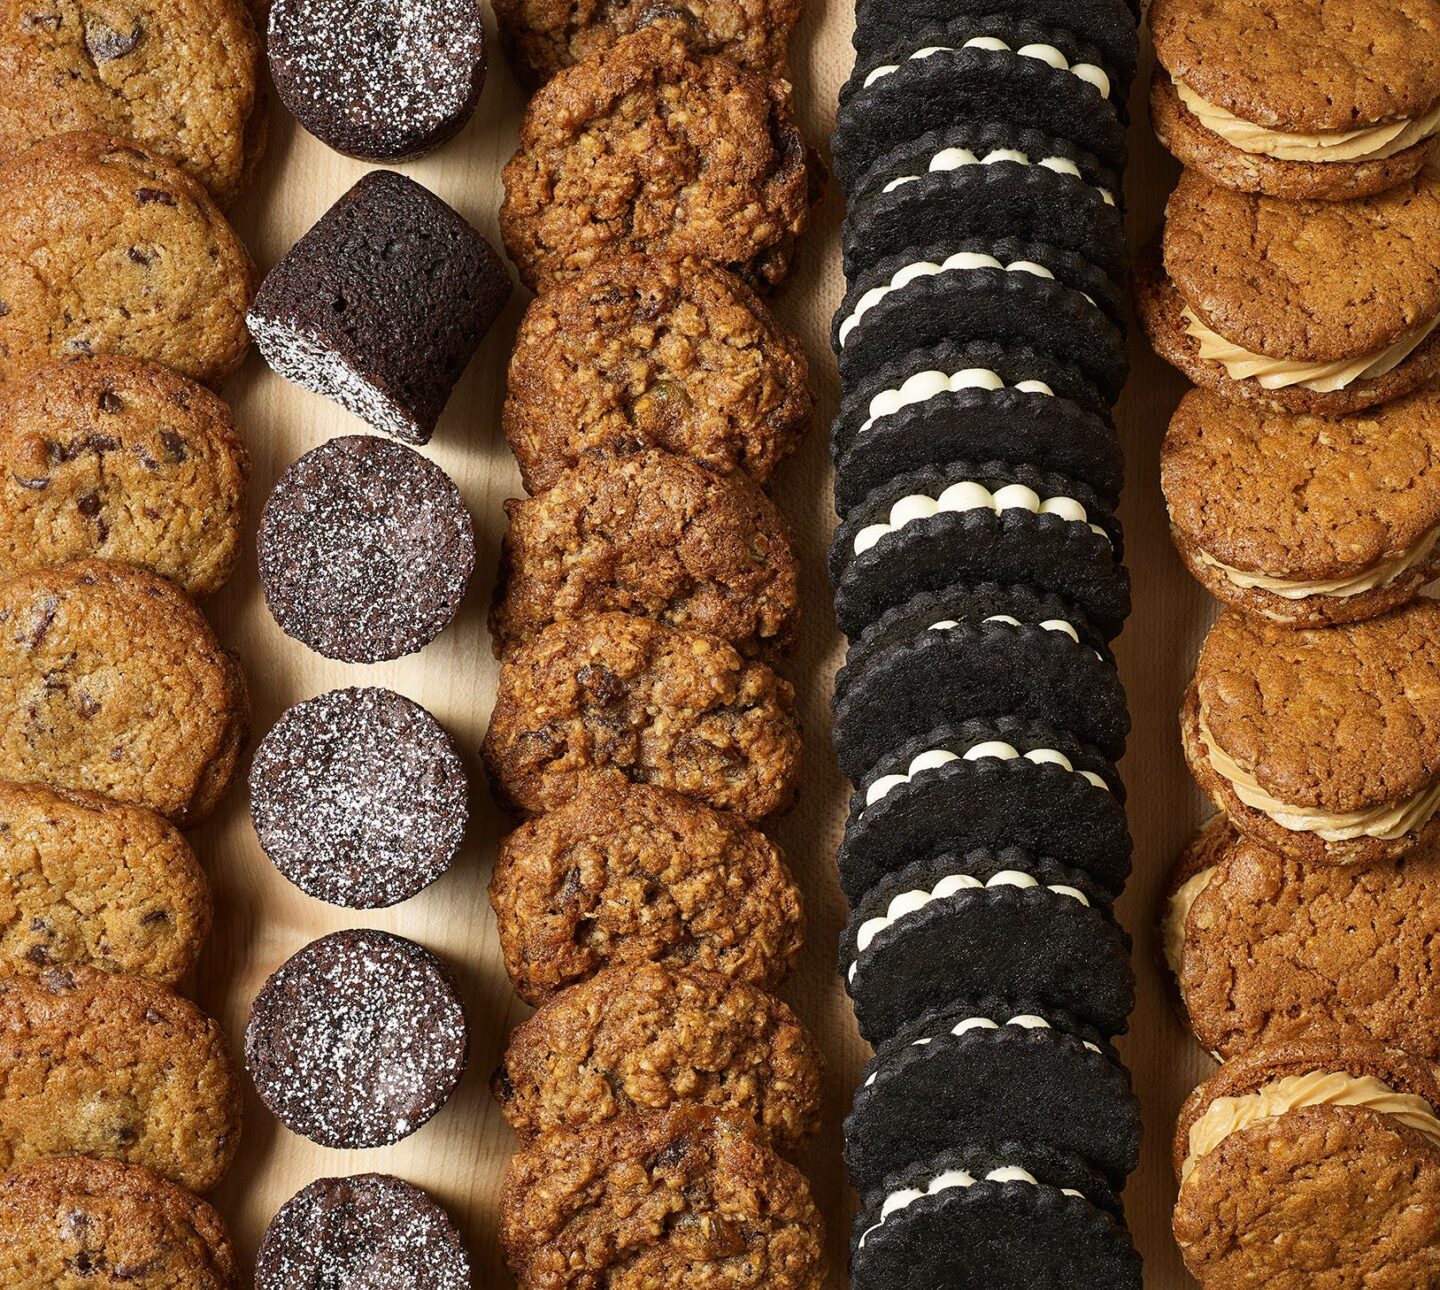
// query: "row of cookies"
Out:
[1295,282]
[977,571]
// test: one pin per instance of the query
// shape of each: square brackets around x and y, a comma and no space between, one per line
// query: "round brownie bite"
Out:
[381,80]
[372,1230]
[359,797]
[365,550]
[357,1039]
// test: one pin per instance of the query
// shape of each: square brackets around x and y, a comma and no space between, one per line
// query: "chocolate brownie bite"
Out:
[365,550]
[357,1039]
[382,304]
[655,535]
[630,698]
[627,873]
[370,1229]
[651,147]
[652,351]
[359,797]
[652,1036]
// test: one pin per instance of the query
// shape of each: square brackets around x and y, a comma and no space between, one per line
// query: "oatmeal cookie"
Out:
[650,351]
[111,681]
[625,874]
[107,249]
[629,697]
[117,1067]
[651,1036]
[669,1200]
[649,147]
[86,881]
[656,535]
[121,460]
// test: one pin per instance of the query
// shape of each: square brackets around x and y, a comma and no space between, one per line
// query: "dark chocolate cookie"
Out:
[365,550]
[359,797]
[381,80]
[357,1039]
[370,1230]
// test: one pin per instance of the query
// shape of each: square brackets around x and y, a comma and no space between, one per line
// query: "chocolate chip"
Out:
[36,634]
[174,445]
[153,1017]
[153,196]
[36,483]
[38,955]
[106,44]
[155,916]
[110,402]
[139,256]
[78,345]
[87,704]
[88,505]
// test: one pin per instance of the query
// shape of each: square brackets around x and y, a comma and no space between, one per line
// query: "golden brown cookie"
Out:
[1311,1167]
[107,249]
[76,1224]
[669,1201]
[1267,948]
[89,882]
[649,147]
[1324,745]
[1323,307]
[118,1067]
[632,698]
[179,77]
[652,1036]
[1304,520]
[656,535]
[625,874]
[111,681]
[645,351]
[1297,99]
[120,460]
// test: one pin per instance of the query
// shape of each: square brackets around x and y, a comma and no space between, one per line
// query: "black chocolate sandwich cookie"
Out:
[991,178]
[957,927]
[992,784]
[985,1071]
[993,1217]
[963,523]
[1004,291]
[976,401]
[949,656]
[988,68]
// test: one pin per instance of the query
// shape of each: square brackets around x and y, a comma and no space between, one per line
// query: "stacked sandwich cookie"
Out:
[1295,282]
[978,573]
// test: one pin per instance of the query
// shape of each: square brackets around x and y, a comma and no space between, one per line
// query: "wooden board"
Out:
[262,919]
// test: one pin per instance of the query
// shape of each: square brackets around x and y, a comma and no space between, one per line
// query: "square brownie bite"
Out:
[382,304]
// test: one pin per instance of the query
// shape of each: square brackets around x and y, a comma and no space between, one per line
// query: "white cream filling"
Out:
[1047,54]
[1048,624]
[967,495]
[957,158]
[924,386]
[1024,1020]
[952,1178]
[1177,913]
[934,758]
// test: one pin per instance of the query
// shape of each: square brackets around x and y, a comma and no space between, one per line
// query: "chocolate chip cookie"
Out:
[117,1067]
[112,682]
[118,459]
[632,698]
[107,249]
[89,882]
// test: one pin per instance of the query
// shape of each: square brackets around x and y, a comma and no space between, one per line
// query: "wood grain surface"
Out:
[261,919]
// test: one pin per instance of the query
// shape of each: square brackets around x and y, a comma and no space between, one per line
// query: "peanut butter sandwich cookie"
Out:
[117,1067]
[179,77]
[1297,99]
[107,249]
[628,873]
[77,1223]
[651,147]
[656,535]
[89,882]
[1323,307]
[1308,1165]
[1303,520]
[122,460]
[669,1200]
[632,698]
[651,1036]
[651,351]
[1324,745]
[112,682]
[1267,948]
